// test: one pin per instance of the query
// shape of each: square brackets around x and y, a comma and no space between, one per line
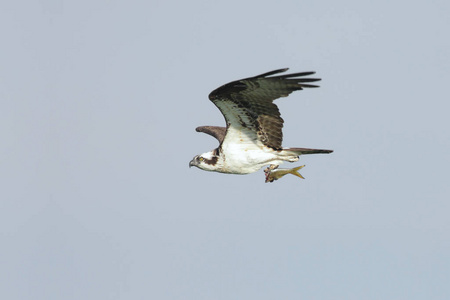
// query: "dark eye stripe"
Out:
[211,161]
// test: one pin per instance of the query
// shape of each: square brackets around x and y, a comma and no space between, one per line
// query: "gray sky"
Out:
[99,101]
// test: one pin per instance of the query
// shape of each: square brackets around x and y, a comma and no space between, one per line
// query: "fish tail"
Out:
[294,172]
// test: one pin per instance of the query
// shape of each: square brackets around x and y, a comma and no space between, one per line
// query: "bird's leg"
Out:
[270,168]
[268,172]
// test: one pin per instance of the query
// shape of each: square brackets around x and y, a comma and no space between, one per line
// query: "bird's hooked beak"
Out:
[193,162]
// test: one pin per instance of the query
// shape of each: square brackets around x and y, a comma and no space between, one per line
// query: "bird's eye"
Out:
[200,158]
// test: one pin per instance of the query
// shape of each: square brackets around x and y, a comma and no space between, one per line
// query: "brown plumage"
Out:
[255,95]
[215,131]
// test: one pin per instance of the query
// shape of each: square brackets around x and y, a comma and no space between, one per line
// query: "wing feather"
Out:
[215,131]
[247,104]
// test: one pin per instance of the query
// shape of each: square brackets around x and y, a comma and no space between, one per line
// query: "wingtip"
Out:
[280,70]
[272,72]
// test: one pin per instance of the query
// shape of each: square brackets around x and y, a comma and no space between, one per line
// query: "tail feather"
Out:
[301,151]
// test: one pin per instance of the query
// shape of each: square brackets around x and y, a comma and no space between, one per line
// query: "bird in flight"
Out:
[253,134]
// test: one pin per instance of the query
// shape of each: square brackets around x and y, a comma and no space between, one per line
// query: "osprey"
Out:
[253,133]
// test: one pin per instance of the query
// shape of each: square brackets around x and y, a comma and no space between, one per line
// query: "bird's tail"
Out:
[302,151]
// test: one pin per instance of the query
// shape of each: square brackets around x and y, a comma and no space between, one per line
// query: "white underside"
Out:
[248,155]
[251,162]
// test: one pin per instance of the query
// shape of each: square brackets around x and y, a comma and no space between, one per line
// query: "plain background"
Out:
[99,101]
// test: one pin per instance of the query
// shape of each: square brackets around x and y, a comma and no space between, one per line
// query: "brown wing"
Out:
[249,102]
[215,131]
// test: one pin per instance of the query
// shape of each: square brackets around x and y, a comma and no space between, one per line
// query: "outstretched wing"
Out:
[215,131]
[248,107]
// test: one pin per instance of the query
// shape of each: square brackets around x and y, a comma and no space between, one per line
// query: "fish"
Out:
[275,174]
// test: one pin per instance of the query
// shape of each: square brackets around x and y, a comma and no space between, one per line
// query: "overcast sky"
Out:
[99,104]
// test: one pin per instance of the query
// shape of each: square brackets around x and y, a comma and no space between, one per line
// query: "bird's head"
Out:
[206,161]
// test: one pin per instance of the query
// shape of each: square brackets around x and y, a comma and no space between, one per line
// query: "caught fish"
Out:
[272,175]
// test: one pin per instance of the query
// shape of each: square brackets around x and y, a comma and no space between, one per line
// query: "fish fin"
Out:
[294,172]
